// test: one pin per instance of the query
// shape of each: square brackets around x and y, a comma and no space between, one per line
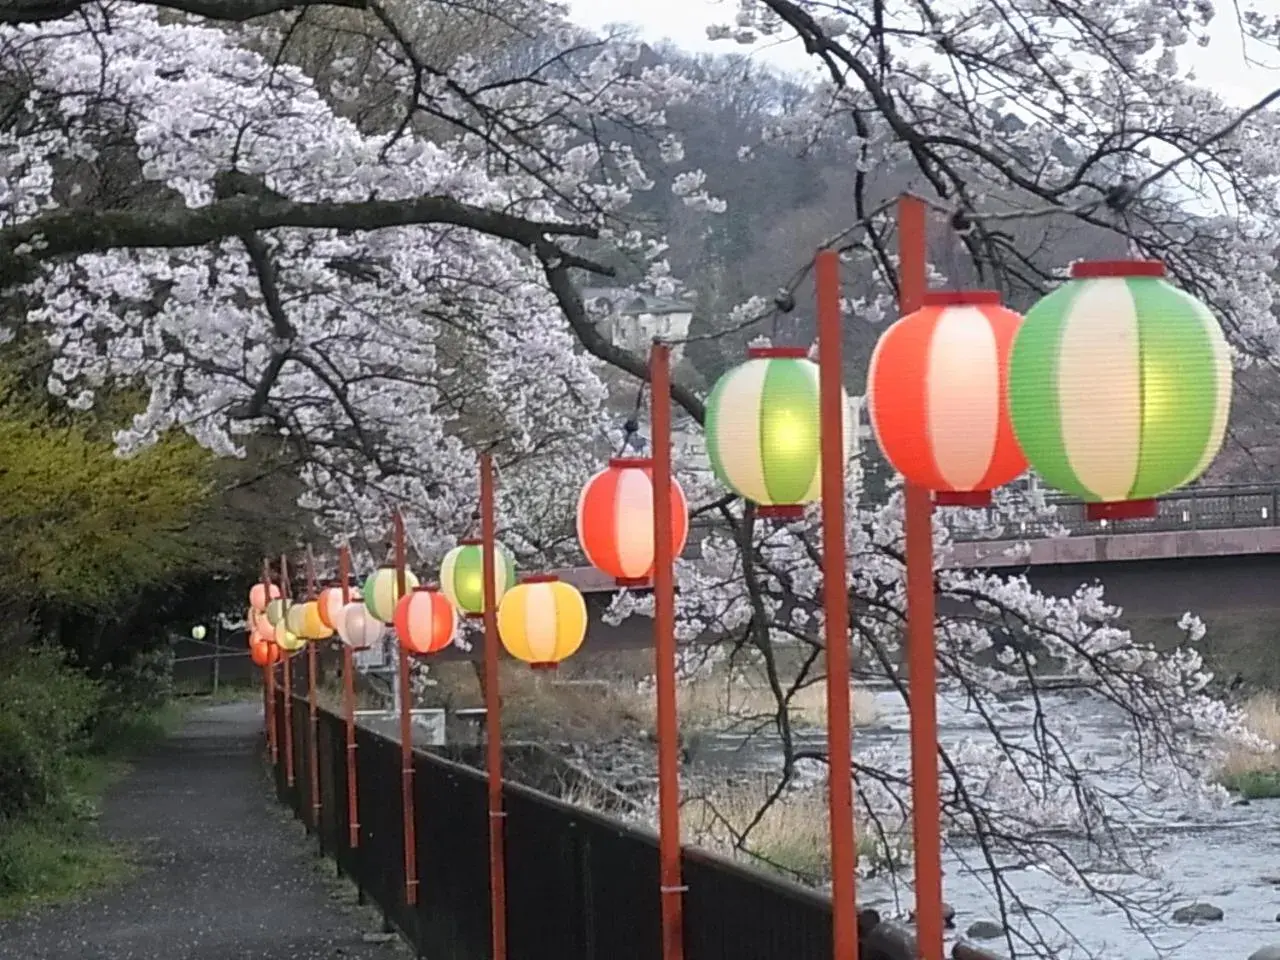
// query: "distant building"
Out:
[634,320]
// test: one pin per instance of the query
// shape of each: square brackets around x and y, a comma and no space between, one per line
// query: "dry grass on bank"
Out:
[583,706]
[1255,774]
[791,837]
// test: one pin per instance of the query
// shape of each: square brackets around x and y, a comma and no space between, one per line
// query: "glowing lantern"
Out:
[330,604]
[262,626]
[357,627]
[264,653]
[615,520]
[261,594]
[763,431]
[1119,387]
[198,632]
[462,575]
[382,592]
[936,394]
[307,624]
[542,621]
[295,619]
[276,610]
[287,640]
[425,621]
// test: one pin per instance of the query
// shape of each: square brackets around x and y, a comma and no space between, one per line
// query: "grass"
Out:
[237,692]
[1255,774]
[57,853]
[792,836]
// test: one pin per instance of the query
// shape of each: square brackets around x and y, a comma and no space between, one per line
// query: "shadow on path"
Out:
[223,873]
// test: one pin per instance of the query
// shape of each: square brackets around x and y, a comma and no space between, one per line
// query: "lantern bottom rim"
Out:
[544,665]
[1121,510]
[633,582]
[962,498]
[781,511]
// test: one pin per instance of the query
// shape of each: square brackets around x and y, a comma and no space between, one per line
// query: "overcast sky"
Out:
[1221,65]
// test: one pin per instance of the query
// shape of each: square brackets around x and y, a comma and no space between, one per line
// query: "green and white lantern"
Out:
[381,592]
[462,575]
[764,432]
[1119,387]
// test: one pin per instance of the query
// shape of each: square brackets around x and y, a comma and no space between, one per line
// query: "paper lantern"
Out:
[937,396]
[310,626]
[1119,387]
[286,639]
[260,594]
[462,575]
[275,610]
[382,592]
[425,621]
[295,619]
[264,653]
[764,431]
[198,632]
[542,621]
[330,604]
[615,520]
[357,627]
[262,626]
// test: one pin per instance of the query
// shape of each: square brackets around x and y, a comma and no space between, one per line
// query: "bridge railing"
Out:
[1233,507]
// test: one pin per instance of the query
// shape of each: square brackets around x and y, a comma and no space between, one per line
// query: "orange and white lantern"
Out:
[937,394]
[615,520]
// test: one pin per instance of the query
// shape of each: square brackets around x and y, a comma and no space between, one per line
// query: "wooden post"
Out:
[835,598]
[493,716]
[664,644]
[313,707]
[406,734]
[349,706]
[273,744]
[926,813]
[288,682]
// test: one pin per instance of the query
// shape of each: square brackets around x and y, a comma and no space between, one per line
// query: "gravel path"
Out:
[225,874]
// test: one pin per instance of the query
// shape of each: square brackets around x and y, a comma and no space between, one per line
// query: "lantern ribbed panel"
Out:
[276,610]
[763,431]
[542,623]
[462,575]
[1120,388]
[425,622]
[357,628]
[286,639]
[330,604]
[263,652]
[615,519]
[382,592]
[936,395]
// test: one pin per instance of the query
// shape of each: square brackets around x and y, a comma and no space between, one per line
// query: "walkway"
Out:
[224,873]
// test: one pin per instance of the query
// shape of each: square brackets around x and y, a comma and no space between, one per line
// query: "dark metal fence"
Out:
[580,886]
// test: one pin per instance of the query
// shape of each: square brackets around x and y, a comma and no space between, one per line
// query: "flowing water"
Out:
[1228,856]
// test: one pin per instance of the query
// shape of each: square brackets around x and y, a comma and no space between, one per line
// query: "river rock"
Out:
[948,916]
[984,930]
[1266,953]
[1197,913]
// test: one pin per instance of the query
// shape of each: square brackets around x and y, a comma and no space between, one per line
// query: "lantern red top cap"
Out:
[1094,269]
[470,542]
[625,462]
[775,353]
[539,578]
[962,298]
[426,588]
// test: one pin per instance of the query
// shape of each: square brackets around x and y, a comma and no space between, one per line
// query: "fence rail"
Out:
[1233,507]
[580,886]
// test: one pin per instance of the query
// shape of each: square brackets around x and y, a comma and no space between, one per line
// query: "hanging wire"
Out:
[631,427]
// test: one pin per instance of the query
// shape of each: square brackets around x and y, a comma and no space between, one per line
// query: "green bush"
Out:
[131,698]
[27,778]
[51,699]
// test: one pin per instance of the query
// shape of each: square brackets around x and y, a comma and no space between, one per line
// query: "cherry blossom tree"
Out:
[372,249]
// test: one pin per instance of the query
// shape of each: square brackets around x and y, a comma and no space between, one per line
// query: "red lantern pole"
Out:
[288,682]
[835,595]
[406,735]
[664,644]
[926,813]
[313,701]
[349,706]
[493,715]
[270,672]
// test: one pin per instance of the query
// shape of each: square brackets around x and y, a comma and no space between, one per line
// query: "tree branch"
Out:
[43,11]
[24,247]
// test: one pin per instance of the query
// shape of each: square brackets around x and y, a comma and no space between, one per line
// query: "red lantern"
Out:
[615,520]
[937,394]
[263,653]
[425,621]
